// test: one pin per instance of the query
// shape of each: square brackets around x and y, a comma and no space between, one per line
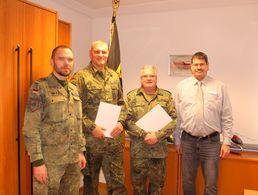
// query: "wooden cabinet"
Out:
[172,182]
[173,175]
[236,173]
[128,182]
[9,37]
[64,33]
[28,34]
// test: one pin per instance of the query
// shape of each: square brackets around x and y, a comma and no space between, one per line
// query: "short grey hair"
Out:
[98,42]
[148,66]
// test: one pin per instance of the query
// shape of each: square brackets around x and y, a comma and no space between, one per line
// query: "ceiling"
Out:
[97,4]
[98,8]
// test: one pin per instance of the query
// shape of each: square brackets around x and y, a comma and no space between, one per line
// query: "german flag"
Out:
[114,60]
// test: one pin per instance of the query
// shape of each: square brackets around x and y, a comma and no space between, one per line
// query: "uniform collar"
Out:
[96,71]
[53,83]
[140,91]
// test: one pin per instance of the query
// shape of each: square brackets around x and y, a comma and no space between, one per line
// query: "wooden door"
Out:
[11,22]
[40,27]
[64,33]
[27,26]
[41,36]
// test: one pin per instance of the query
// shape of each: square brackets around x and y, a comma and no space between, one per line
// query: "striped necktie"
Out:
[199,107]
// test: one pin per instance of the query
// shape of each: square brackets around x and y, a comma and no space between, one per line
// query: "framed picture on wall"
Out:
[180,65]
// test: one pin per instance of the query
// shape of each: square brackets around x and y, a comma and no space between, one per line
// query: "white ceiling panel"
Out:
[98,8]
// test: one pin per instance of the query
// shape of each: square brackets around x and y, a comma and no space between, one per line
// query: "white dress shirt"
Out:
[217,109]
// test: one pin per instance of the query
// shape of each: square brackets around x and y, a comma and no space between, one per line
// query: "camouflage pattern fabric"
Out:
[148,160]
[96,86]
[63,180]
[137,106]
[111,161]
[53,123]
[154,169]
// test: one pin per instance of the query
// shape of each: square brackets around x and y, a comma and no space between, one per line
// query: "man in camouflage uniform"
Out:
[98,83]
[148,150]
[53,129]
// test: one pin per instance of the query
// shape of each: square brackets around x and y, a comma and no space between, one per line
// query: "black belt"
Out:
[214,134]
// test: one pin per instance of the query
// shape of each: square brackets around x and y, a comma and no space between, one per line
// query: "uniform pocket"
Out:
[57,110]
[163,102]
[77,107]
[94,94]
[139,109]
[114,88]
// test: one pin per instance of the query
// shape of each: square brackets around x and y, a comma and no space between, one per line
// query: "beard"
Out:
[63,72]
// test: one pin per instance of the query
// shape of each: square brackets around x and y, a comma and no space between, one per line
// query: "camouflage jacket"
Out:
[94,87]
[137,106]
[53,122]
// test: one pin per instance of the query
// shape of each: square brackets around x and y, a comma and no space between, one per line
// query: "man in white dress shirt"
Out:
[204,112]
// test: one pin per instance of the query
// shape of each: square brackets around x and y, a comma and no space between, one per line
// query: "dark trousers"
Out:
[204,151]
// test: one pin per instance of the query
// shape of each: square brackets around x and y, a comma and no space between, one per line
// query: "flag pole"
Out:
[115,6]
[114,48]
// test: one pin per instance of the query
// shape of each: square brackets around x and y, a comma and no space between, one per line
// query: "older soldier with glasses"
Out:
[148,150]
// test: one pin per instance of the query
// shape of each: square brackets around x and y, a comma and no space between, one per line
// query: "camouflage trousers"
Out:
[62,180]
[148,175]
[112,164]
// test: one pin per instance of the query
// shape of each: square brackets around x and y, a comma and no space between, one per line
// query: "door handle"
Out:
[17,49]
[31,64]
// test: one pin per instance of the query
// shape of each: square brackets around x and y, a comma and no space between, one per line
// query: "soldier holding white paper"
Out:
[148,149]
[97,83]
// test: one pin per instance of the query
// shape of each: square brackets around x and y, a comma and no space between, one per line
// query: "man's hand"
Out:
[151,138]
[40,174]
[98,132]
[83,162]
[224,151]
[117,130]
[178,149]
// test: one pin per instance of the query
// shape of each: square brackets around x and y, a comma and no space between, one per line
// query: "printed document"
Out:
[154,120]
[107,117]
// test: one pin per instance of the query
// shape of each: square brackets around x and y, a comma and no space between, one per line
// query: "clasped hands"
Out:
[98,132]
[151,138]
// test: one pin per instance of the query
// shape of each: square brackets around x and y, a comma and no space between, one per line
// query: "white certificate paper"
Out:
[107,117]
[154,120]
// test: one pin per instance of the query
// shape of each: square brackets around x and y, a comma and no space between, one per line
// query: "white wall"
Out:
[227,34]
[81,29]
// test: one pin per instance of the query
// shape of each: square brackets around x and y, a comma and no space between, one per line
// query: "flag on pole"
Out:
[114,50]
